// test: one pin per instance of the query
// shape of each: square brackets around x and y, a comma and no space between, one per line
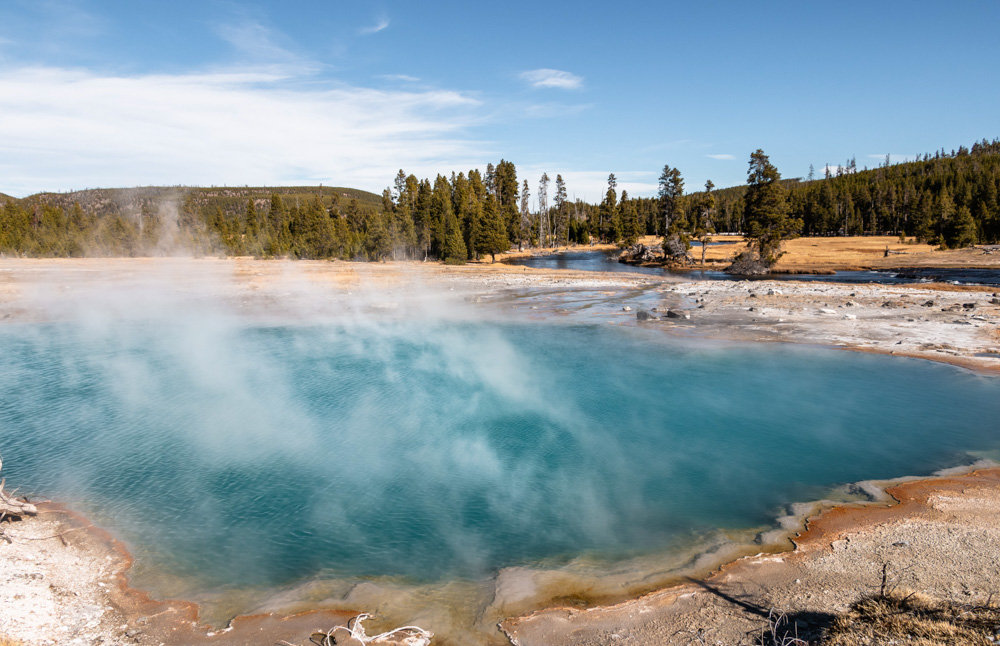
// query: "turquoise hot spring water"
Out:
[229,453]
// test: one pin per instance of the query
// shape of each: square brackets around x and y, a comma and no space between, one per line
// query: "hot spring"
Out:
[241,458]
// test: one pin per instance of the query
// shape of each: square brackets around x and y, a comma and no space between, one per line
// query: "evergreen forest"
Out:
[950,199]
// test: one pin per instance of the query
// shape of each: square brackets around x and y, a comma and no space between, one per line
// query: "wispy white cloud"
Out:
[64,129]
[552,78]
[546,110]
[406,78]
[49,28]
[723,156]
[258,45]
[380,24]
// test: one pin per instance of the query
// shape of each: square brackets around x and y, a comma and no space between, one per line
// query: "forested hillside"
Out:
[163,220]
[952,199]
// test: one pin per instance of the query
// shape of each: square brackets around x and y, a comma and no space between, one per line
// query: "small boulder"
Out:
[626,309]
[672,314]
[643,315]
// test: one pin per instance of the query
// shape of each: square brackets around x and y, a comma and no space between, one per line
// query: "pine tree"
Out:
[507,194]
[629,218]
[493,234]
[670,193]
[543,209]
[608,211]
[525,215]
[766,209]
[961,230]
[562,212]
[705,225]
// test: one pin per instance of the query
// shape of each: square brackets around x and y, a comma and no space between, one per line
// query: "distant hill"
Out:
[115,201]
[153,220]
[6,198]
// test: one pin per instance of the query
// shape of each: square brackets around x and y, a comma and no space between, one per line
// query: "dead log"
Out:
[11,506]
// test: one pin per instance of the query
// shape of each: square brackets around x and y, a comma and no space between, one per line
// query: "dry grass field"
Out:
[856,252]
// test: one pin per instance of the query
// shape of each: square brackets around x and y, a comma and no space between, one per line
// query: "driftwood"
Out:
[11,506]
[405,636]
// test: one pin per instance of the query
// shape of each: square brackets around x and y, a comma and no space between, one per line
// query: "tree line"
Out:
[947,198]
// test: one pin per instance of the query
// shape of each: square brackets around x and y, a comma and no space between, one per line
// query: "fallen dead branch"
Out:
[405,636]
[11,506]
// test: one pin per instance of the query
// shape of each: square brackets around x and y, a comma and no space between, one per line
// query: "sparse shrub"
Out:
[748,263]
[913,619]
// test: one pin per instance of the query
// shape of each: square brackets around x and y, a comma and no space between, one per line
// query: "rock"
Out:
[929,304]
[637,253]
[626,309]
[774,292]
[827,311]
[671,314]
[643,315]
[969,306]
[850,317]
[850,304]
[890,304]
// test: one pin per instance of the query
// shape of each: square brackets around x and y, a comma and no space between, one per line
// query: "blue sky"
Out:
[97,93]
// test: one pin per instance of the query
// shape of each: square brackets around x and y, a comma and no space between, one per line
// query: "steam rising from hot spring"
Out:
[265,431]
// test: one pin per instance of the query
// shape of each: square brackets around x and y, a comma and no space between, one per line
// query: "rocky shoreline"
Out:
[940,536]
